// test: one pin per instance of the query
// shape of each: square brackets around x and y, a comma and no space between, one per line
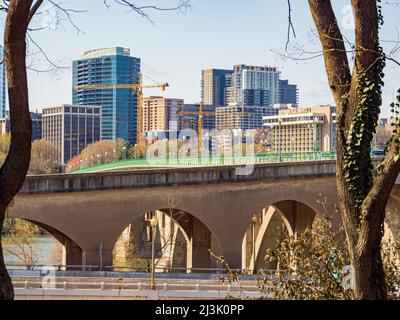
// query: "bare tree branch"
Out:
[290,25]
[184,7]
[34,9]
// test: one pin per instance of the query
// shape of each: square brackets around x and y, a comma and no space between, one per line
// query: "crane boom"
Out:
[201,115]
[132,86]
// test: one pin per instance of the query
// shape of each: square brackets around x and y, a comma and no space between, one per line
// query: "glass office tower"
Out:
[110,66]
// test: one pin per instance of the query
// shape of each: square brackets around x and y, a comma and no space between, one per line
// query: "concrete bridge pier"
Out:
[299,215]
[199,244]
[392,214]
[198,238]
[100,256]
[232,253]
[72,254]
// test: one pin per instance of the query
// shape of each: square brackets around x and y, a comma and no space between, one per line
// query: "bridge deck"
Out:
[163,177]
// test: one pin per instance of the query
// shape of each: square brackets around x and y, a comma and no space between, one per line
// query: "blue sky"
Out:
[214,33]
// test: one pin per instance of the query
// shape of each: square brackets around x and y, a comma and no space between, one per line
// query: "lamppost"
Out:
[253,236]
[153,224]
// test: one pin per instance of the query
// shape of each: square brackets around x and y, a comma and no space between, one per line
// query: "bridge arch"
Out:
[72,252]
[271,224]
[182,242]
[392,226]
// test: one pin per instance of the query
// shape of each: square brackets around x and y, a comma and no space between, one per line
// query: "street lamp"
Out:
[253,236]
[153,224]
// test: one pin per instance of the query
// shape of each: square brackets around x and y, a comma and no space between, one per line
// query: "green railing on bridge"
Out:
[210,161]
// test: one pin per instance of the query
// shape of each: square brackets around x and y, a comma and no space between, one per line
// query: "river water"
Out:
[46,248]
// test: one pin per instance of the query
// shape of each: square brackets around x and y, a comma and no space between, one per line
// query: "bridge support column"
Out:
[392,214]
[298,214]
[100,258]
[72,254]
[198,255]
[233,255]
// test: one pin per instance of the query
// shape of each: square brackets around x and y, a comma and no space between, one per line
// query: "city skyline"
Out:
[180,46]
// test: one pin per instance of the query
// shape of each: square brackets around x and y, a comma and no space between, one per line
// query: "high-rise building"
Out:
[303,129]
[160,114]
[288,93]
[213,86]
[242,117]
[71,128]
[36,125]
[253,86]
[229,99]
[119,107]
[2,85]
[232,123]
[36,117]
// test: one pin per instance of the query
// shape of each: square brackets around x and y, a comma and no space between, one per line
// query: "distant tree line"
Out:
[106,151]
[44,155]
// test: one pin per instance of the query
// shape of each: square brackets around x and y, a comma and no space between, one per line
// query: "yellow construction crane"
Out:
[134,87]
[200,114]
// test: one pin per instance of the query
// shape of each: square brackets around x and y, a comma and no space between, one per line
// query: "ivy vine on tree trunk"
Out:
[363,191]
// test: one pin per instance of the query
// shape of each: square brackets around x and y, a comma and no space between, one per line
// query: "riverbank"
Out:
[45,249]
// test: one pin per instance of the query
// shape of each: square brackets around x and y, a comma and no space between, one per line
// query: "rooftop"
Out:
[116,51]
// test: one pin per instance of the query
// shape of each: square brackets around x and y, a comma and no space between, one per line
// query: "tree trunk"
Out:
[16,165]
[362,195]
[366,258]
[370,274]
[6,289]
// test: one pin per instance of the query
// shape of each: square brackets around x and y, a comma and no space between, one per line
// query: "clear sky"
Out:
[213,34]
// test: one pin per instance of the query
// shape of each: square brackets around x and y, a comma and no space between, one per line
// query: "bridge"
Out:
[212,207]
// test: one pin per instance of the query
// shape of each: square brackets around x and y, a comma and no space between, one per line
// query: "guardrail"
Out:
[58,267]
[165,286]
[126,269]
[68,291]
[211,160]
